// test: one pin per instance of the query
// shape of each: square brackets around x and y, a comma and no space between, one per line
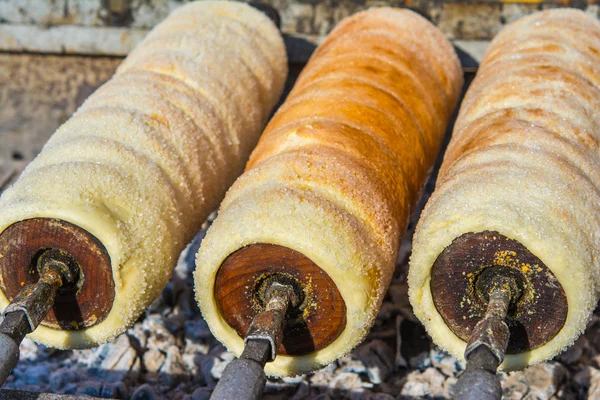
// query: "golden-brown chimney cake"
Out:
[329,189]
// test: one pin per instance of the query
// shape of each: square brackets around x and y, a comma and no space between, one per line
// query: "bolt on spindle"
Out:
[488,343]
[31,305]
[244,378]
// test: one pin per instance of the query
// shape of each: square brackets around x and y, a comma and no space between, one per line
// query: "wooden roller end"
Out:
[314,324]
[77,306]
[458,282]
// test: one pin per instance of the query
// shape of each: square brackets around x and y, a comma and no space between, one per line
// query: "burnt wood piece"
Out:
[533,319]
[77,306]
[315,323]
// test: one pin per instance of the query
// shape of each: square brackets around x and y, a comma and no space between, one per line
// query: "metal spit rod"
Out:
[487,345]
[244,378]
[31,305]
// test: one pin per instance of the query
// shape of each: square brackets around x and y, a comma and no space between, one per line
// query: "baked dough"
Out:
[523,161]
[151,153]
[340,167]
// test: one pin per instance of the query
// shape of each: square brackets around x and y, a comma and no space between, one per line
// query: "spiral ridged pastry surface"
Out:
[150,154]
[524,162]
[339,168]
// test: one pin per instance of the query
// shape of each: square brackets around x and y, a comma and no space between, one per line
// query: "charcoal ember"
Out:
[449,387]
[387,311]
[378,396]
[113,361]
[574,353]
[29,351]
[429,383]
[513,387]
[588,380]
[278,387]
[202,393]
[144,392]
[544,379]
[393,385]
[217,349]
[345,380]
[227,356]
[114,391]
[398,293]
[302,391]
[188,363]
[399,360]
[206,364]
[323,376]
[445,363]
[322,396]
[361,394]
[352,364]
[188,257]
[60,378]
[583,378]
[138,337]
[405,247]
[172,371]
[90,388]
[33,376]
[186,303]
[194,348]
[593,332]
[218,367]
[174,323]
[415,344]
[71,388]
[154,360]
[197,330]
[180,392]
[163,305]
[277,396]
[378,358]
[159,336]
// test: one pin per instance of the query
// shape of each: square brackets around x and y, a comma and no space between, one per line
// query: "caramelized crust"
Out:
[523,162]
[340,167]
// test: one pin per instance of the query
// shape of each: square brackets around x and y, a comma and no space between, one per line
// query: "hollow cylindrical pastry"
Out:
[519,190]
[328,191]
[127,181]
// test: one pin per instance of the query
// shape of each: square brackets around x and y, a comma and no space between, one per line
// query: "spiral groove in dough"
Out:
[151,153]
[524,161]
[340,166]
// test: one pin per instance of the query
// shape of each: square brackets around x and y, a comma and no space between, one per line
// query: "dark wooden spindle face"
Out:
[316,323]
[534,319]
[76,307]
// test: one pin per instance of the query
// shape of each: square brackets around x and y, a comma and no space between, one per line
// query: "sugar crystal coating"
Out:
[523,161]
[150,154]
[339,168]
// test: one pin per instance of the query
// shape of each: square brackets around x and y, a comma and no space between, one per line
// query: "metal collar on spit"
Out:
[488,343]
[244,378]
[57,269]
